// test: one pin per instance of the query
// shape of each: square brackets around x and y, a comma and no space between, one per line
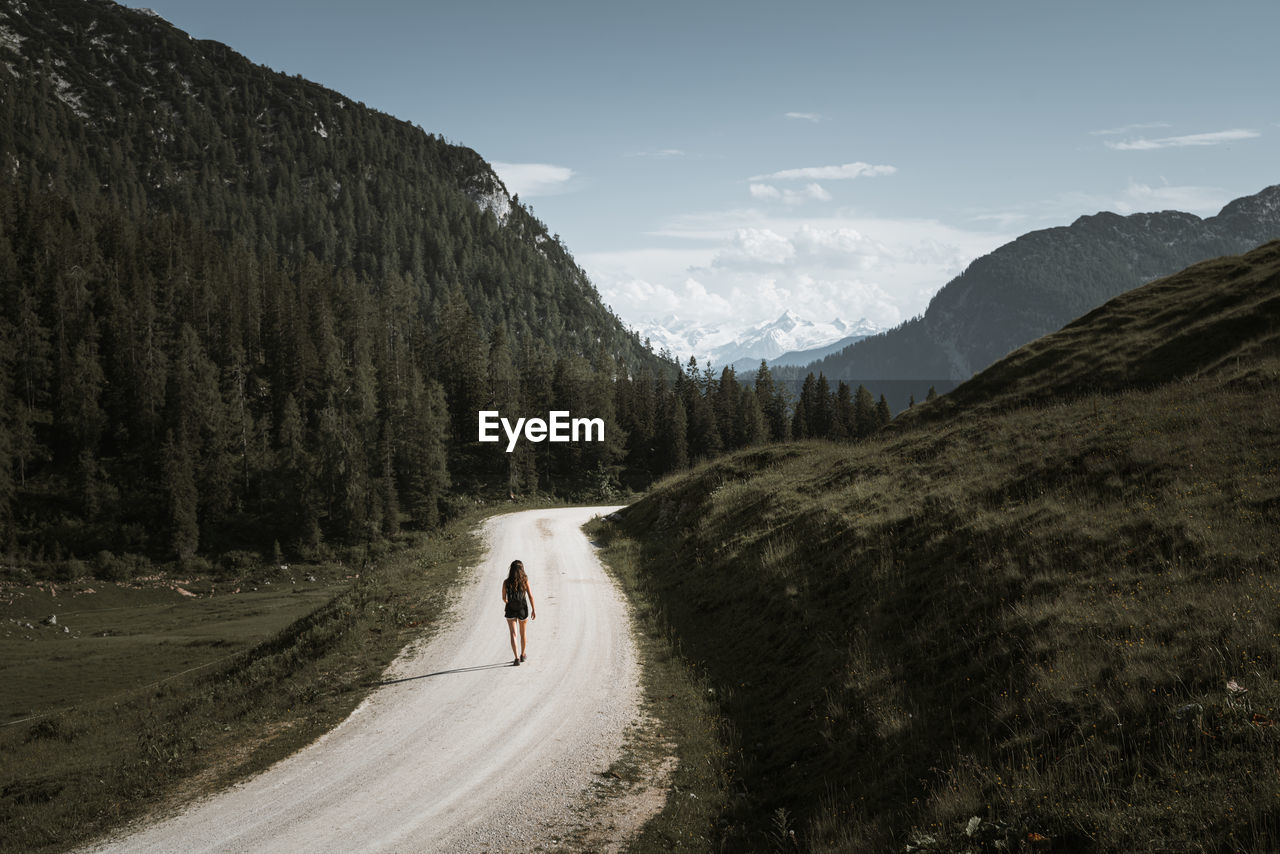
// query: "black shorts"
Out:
[517,611]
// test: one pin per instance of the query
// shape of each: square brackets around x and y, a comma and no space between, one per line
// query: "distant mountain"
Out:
[788,340]
[1044,280]
[793,358]
[683,337]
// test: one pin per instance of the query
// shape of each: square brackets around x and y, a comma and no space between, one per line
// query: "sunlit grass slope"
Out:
[1052,624]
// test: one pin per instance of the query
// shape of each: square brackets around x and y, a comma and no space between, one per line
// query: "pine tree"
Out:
[775,415]
[864,413]
[7,490]
[180,486]
[504,397]
[728,397]
[751,425]
[820,413]
[803,417]
[844,420]
[672,450]
[298,509]
[81,392]
[421,468]
[883,415]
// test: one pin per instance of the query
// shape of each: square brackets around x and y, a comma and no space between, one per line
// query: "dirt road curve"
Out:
[465,752]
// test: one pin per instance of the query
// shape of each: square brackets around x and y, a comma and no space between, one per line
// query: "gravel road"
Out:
[459,751]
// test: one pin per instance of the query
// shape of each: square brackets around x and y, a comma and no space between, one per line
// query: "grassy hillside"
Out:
[1041,627]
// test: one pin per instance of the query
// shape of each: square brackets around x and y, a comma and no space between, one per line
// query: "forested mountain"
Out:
[113,105]
[238,309]
[1044,280]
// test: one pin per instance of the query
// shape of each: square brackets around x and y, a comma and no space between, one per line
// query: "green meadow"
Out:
[107,639]
[141,697]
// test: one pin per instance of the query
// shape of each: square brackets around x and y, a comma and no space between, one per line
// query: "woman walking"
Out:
[514,592]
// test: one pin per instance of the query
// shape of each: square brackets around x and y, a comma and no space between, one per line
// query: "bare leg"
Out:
[511,624]
[523,643]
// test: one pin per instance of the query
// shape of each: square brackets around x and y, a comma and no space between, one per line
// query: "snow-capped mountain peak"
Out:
[719,346]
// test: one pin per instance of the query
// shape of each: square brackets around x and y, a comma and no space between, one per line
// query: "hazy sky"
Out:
[724,161]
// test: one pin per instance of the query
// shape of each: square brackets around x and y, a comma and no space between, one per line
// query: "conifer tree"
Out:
[773,399]
[883,415]
[672,436]
[864,413]
[295,496]
[31,370]
[504,396]
[803,419]
[421,454]
[81,392]
[728,395]
[751,424]
[821,407]
[843,420]
[180,486]
[7,490]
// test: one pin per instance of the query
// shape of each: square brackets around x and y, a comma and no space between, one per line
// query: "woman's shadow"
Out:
[445,673]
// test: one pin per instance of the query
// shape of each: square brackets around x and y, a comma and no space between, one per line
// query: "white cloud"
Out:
[1002,219]
[1135,197]
[846,171]
[660,152]
[1191,139]
[754,246]
[1129,128]
[1196,199]
[533,179]
[812,192]
[807,117]
[748,265]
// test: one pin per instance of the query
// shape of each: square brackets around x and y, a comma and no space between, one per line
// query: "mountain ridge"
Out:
[1044,279]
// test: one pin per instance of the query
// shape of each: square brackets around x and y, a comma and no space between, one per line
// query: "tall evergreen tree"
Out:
[6,435]
[180,486]
[803,418]
[843,420]
[671,440]
[883,415]
[864,413]
[751,423]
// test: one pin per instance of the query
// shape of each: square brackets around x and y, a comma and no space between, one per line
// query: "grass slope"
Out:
[1035,627]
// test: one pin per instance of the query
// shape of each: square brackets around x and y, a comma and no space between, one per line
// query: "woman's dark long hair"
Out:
[516,579]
